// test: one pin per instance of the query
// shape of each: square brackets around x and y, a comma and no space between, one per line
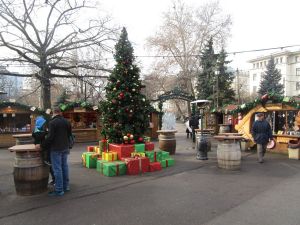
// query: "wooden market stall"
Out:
[283,119]
[85,122]
[15,119]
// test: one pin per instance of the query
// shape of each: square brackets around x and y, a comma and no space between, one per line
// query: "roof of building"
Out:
[275,54]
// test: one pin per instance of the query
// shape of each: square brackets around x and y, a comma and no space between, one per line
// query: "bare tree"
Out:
[44,34]
[183,34]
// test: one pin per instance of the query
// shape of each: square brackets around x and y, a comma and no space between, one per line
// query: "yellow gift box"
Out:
[97,150]
[109,156]
[140,154]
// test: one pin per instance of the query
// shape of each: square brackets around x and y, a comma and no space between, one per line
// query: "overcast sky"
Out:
[257,24]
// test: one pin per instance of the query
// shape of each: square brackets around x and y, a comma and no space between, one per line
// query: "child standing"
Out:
[39,134]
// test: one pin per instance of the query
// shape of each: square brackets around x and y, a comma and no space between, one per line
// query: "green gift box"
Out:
[165,155]
[99,166]
[114,168]
[91,160]
[157,156]
[167,162]
[84,157]
[150,155]
[139,147]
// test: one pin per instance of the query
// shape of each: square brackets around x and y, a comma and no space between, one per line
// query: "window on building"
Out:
[297,86]
[253,65]
[297,71]
[254,89]
[296,58]
[254,77]
[260,64]
[265,62]
[281,60]
[276,60]
[257,65]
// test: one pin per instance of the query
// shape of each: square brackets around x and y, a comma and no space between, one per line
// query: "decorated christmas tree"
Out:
[126,112]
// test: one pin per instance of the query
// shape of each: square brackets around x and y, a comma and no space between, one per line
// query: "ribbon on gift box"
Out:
[83,160]
[103,145]
[167,163]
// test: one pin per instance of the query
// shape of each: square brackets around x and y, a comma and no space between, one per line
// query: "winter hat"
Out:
[39,122]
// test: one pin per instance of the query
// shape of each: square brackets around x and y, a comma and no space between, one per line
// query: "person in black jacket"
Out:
[58,140]
[39,135]
[194,124]
[262,134]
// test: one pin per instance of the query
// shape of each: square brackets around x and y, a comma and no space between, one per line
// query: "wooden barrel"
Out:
[224,128]
[167,142]
[30,174]
[229,155]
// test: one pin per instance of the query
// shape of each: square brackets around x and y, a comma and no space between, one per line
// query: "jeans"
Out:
[60,169]
[261,150]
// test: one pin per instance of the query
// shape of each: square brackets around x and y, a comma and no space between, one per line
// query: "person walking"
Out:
[58,141]
[194,124]
[262,134]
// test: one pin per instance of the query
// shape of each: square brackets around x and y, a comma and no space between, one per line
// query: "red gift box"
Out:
[90,148]
[154,166]
[137,165]
[149,146]
[122,150]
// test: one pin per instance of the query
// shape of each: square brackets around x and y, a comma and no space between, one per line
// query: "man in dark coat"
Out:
[262,134]
[58,141]
[194,124]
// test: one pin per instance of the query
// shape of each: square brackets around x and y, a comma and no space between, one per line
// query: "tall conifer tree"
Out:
[126,110]
[270,80]
[206,78]
[225,91]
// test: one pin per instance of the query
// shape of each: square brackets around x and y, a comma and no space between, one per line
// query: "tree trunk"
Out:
[45,89]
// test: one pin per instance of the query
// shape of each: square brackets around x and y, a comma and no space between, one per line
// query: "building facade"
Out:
[287,62]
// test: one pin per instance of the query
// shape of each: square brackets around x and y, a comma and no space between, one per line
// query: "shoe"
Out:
[261,161]
[56,193]
[67,189]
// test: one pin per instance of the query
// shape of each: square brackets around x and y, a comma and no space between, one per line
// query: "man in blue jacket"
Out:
[262,134]
[57,141]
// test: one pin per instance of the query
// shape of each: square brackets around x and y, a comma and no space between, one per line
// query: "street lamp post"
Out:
[217,77]
[202,143]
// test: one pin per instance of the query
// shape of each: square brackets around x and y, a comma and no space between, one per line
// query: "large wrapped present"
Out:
[154,156]
[139,147]
[97,150]
[103,145]
[165,155]
[147,139]
[123,150]
[157,156]
[154,166]
[167,162]
[91,160]
[99,166]
[140,154]
[109,156]
[115,168]
[136,165]
[84,157]
[149,146]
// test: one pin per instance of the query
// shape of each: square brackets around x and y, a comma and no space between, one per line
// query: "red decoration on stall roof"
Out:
[265,97]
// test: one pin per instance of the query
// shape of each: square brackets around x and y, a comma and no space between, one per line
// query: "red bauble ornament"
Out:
[141,139]
[132,141]
[265,97]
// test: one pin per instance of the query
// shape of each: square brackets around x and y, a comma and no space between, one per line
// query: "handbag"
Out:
[71,140]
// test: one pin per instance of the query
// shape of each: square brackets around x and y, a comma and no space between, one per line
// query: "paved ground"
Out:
[191,192]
